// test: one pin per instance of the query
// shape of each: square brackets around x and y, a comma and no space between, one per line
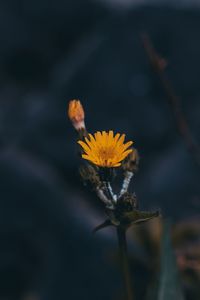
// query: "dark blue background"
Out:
[51,53]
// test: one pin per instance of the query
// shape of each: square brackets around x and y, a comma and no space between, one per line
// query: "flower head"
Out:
[76,114]
[104,149]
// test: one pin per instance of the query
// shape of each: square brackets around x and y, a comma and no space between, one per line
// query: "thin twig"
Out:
[121,234]
[159,64]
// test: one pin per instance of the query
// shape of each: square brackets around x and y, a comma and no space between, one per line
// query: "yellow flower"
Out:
[104,149]
[76,114]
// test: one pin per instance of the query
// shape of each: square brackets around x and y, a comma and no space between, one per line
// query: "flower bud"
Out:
[76,114]
[132,161]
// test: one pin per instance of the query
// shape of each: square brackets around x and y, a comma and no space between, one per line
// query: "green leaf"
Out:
[136,217]
[169,283]
[105,224]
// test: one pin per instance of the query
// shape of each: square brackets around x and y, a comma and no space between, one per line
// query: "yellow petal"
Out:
[105,149]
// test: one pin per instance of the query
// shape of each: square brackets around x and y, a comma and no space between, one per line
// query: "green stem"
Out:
[121,234]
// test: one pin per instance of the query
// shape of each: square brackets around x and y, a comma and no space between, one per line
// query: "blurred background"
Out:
[54,51]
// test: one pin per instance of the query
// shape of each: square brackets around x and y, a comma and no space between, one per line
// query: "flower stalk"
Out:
[123,255]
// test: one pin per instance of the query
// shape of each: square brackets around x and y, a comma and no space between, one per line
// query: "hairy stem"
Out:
[110,193]
[121,234]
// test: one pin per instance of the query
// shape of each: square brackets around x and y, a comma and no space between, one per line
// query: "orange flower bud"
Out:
[76,114]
